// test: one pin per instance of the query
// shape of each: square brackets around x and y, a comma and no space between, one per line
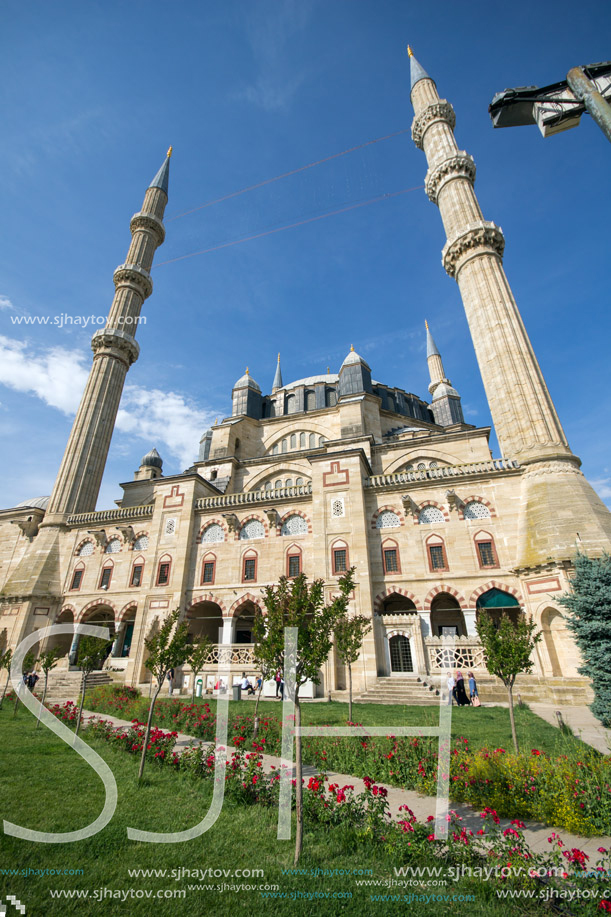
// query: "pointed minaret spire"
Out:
[417,72]
[278,377]
[162,177]
[114,350]
[447,408]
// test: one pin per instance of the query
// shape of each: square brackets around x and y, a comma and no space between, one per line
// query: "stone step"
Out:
[68,684]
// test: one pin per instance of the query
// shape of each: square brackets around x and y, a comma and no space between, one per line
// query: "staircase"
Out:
[401,689]
[67,685]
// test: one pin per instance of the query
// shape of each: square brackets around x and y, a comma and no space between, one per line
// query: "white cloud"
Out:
[5,303]
[602,486]
[58,378]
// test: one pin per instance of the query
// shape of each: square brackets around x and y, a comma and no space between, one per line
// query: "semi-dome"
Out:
[35,503]
[152,459]
[247,381]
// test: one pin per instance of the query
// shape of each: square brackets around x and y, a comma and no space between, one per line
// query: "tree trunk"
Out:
[44,694]
[349,692]
[298,783]
[8,678]
[82,704]
[256,717]
[148,730]
[511,717]
[17,693]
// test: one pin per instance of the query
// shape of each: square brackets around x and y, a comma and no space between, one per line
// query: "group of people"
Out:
[456,690]
[246,685]
[30,679]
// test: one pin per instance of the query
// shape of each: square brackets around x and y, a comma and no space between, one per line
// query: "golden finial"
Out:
[426,324]
[278,358]
[216,420]
[409,51]
[328,370]
[169,152]
[352,348]
[247,373]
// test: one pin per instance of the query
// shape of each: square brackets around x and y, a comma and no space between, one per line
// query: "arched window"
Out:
[269,485]
[252,529]
[275,449]
[486,550]
[291,404]
[302,441]
[137,572]
[213,533]
[331,397]
[294,525]
[340,560]
[312,441]
[86,549]
[498,603]
[310,400]
[476,510]
[288,482]
[430,514]
[113,546]
[322,441]
[141,543]
[436,553]
[249,567]
[391,560]
[163,570]
[77,576]
[106,575]
[285,445]
[208,569]
[298,482]
[278,484]
[388,520]
[400,654]
[293,440]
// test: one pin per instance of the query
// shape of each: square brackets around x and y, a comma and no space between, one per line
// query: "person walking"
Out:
[450,688]
[170,678]
[461,694]
[473,694]
[31,680]
[278,680]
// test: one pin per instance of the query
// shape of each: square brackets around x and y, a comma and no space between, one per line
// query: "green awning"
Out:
[496,598]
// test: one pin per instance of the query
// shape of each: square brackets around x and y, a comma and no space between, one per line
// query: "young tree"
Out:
[293,603]
[197,659]
[29,661]
[47,661]
[90,657]
[508,647]
[589,618]
[349,636]
[167,649]
[5,663]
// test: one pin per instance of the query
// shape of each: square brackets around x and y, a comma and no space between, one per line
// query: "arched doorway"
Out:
[123,643]
[244,623]
[447,619]
[400,654]
[61,643]
[100,616]
[205,620]
[396,604]
[560,646]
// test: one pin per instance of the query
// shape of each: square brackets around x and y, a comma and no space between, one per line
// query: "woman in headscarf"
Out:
[461,695]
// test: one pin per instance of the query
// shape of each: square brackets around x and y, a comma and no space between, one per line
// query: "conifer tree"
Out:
[588,607]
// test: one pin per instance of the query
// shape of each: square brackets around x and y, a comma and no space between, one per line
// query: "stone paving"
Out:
[422,806]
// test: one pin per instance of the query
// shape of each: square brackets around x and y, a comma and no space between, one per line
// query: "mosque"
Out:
[319,475]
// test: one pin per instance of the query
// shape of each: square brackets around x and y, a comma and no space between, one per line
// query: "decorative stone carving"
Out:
[116,343]
[558,467]
[232,522]
[454,501]
[134,276]
[148,222]
[438,111]
[127,532]
[409,505]
[272,516]
[460,165]
[99,535]
[29,527]
[475,238]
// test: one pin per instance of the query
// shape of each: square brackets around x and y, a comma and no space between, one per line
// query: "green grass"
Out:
[46,786]
[484,727]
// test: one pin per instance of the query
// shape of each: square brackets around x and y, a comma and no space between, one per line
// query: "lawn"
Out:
[46,786]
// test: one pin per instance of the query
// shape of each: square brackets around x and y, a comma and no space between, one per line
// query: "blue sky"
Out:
[92,95]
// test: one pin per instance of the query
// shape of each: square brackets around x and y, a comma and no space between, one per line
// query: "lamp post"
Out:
[559,106]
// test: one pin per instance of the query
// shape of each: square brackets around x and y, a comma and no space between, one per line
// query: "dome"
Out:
[444,389]
[354,357]
[152,459]
[35,503]
[247,381]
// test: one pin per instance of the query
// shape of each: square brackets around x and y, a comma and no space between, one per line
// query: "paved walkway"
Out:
[581,720]
[421,806]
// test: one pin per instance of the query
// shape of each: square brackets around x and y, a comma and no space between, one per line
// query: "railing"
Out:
[254,496]
[230,654]
[465,653]
[111,515]
[492,466]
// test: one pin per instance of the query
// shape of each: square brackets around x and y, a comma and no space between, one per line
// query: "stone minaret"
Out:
[115,349]
[557,502]
[447,409]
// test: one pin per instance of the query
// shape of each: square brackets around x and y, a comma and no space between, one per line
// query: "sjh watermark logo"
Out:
[289,731]
[11,900]
[63,320]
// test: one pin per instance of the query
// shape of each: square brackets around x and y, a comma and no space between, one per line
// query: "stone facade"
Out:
[324,473]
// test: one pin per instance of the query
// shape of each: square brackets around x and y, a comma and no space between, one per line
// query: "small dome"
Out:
[354,357]
[35,503]
[247,381]
[152,459]
[444,389]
